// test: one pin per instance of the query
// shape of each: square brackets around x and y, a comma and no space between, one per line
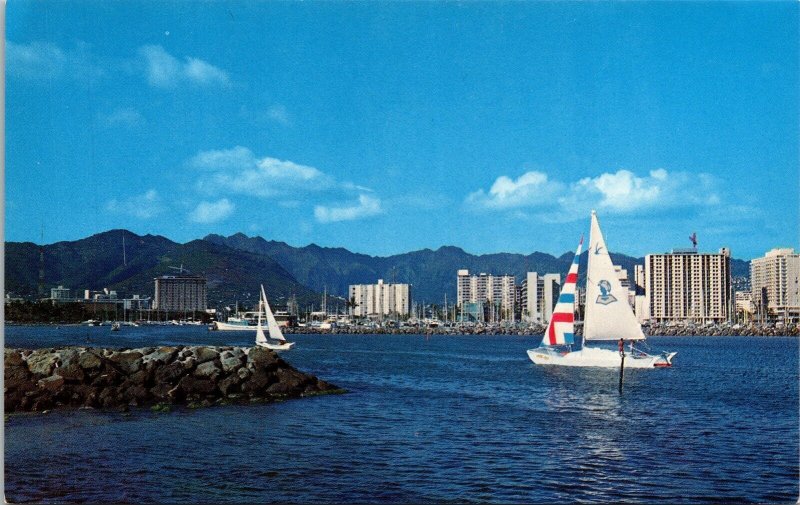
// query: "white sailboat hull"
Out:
[276,347]
[218,325]
[601,358]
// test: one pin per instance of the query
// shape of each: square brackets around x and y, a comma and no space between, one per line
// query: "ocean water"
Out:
[442,419]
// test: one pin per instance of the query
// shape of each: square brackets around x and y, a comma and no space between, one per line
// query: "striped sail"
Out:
[561,329]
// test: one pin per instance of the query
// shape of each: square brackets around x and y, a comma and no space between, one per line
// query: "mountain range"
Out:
[237,264]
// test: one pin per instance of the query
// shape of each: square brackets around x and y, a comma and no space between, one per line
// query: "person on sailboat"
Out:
[621,346]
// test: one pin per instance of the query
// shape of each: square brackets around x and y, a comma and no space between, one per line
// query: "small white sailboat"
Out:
[276,340]
[608,317]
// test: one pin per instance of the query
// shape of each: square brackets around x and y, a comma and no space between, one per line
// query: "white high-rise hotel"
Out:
[775,285]
[687,286]
[498,290]
[537,296]
[378,300]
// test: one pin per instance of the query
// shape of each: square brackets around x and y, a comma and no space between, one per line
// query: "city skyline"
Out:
[388,128]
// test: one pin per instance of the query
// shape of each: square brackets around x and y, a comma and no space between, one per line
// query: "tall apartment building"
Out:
[378,300]
[496,292]
[180,293]
[539,295]
[775,286]
[687,286]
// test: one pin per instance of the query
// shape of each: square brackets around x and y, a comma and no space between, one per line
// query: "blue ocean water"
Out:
[442,419]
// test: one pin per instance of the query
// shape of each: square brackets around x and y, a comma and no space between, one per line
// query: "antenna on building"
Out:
[180,269]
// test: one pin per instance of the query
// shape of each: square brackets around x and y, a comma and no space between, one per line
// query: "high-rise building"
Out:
[775,286]
[59,294]
[497,293]
[687,286]
[378,300]
[539,296]
[182,293]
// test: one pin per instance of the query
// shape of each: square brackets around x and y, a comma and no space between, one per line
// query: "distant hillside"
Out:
[432,273]
[96,262]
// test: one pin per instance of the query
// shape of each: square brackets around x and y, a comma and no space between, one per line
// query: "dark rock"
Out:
[261,356]
[52,383]
[257,382]
[207,370]
[89,359]
[203,354]
[170,373]
[161,354]
[13,358]
[71,372]
[229,384]
[127,362]
[41,362]
[230,363]
[192,385]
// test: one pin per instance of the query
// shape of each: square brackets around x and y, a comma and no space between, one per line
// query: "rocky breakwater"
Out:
[43,379]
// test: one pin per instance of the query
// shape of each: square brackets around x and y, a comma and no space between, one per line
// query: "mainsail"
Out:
[608,314]
[561,329]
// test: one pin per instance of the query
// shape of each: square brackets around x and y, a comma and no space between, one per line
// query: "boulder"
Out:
[42,362]
[203,354]
[162,354]
[90,359]
[170,373]
[69,356]
[53,383]
[207,370]
[261,357]
[230,363]
[229,384]
[192,385]
[13,358]
[71,372]
[128,362]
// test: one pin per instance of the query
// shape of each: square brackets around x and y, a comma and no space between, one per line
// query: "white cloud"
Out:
[124,116]
[145,206]
[211,212]
[43,61]
[618,192]
[624,191]
[165,71]
[366,206]
[238,170]
[530,189]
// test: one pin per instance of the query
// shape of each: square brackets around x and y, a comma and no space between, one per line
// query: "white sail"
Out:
[272,325]
[608,314]
[260,337]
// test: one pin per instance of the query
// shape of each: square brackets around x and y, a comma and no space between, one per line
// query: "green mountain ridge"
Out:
[237,264]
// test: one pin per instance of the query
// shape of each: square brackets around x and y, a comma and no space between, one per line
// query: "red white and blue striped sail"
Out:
[561,329]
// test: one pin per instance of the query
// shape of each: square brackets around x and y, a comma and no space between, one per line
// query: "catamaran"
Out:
[608,317]
[276,340]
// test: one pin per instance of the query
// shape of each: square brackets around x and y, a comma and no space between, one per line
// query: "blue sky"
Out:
[390,127]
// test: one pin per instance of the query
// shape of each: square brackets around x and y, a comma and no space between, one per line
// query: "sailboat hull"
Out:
[600,358]
[276,347]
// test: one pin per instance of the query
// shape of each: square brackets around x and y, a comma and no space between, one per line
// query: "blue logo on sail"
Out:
[605,293]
